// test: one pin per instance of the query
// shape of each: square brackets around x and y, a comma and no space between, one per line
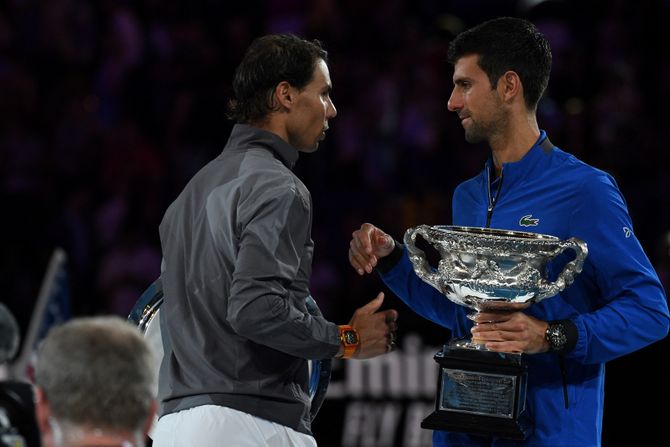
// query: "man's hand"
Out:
[368,245]
[510,332]
[376,330]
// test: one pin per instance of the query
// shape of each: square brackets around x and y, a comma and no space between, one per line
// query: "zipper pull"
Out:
[564,378]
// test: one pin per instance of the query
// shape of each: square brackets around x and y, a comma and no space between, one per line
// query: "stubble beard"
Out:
[475,134]
[478,132]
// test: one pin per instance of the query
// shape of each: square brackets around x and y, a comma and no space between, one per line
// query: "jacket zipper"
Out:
[564,378]
[492,200]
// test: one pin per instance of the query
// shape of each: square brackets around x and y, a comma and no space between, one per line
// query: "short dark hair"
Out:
[268,61]
[504,44]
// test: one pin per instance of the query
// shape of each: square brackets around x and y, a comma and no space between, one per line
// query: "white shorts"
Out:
[214,426]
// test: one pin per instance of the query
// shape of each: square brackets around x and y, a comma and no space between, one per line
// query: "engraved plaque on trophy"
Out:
[482,391]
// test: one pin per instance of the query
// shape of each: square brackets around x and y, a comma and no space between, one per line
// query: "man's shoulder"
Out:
[573,169]
[470,186]
[251,165]
[262,177]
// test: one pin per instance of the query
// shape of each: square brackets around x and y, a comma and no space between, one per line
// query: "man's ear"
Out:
[284,95]
[509,86]
[42,411]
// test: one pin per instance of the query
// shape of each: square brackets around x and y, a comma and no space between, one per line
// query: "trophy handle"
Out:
[418,257]
[570,270]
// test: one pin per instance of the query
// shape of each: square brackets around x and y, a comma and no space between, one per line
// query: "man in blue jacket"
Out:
[616,305]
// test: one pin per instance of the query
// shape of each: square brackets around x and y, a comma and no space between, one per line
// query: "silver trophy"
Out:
[484,269]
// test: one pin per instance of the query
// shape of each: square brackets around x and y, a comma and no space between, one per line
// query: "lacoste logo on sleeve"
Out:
[528,221]
[627,232]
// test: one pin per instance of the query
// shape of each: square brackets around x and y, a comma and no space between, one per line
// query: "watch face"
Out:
[557,337]
[350,337]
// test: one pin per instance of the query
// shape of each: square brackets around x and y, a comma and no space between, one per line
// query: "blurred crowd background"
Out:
[108,107]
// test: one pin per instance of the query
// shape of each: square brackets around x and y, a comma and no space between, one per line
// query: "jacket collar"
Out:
[244,136]
[516,171]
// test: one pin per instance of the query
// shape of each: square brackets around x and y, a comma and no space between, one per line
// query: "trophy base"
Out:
[480,392]
[478,425]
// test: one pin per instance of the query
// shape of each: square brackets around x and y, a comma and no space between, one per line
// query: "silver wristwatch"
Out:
[556,336]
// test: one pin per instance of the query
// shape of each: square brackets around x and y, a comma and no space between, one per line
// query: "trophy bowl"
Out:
[482,391]
[491,269]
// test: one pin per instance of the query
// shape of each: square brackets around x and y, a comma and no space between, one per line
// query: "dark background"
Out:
[108,107]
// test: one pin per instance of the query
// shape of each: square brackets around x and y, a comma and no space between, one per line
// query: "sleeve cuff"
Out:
[571,335]
[388,262]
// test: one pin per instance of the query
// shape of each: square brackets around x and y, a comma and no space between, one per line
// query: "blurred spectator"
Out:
[94,384]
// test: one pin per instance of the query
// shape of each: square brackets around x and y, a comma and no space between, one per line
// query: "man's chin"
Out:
[309,149]
[474,137]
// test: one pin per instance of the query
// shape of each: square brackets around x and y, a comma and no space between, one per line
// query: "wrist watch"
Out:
[556,336]
[349,339]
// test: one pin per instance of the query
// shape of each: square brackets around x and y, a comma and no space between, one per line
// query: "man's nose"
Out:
[455,103]
[332,111]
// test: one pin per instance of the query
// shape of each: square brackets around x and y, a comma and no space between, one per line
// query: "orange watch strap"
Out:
[349,347]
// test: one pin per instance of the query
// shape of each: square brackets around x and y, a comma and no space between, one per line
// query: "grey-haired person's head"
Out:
[96,373]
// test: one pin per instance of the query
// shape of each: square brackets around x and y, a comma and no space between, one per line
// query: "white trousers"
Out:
[214,426]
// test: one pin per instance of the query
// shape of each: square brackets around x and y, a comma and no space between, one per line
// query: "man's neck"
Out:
[273,123]
[100,438]
[103,442]
[514,142]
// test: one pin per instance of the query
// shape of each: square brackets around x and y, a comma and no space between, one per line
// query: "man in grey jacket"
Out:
[237,252]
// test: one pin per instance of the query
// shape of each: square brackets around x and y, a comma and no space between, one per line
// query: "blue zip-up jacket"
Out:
[617,303]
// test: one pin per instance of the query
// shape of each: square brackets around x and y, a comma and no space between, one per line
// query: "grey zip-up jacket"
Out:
[237,254]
